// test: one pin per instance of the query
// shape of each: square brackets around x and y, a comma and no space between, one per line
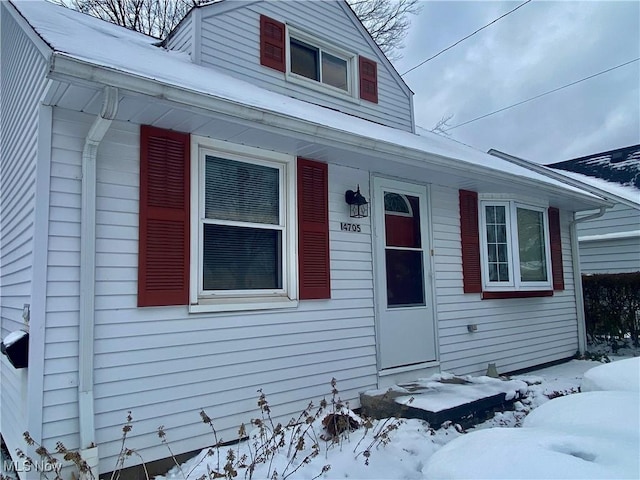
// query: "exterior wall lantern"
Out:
[358,205]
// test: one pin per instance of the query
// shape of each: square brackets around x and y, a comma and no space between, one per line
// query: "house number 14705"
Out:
[350,227]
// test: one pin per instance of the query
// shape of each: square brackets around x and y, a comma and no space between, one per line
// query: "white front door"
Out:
[405,321]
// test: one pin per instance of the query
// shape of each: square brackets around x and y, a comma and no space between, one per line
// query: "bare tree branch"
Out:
[387,20]
[152,17]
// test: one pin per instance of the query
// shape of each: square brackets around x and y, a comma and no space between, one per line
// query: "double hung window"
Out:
[515,249]
[244,226]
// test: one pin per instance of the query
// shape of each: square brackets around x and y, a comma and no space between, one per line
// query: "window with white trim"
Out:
[245,241]
[515,248]
[325,65]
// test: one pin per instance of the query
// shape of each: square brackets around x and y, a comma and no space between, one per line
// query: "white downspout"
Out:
[577,276]
[88,446]
[575,253]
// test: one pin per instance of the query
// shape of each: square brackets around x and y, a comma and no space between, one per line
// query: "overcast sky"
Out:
[539,47]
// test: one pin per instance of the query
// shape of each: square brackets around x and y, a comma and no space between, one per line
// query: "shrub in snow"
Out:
[612,303]
[270,449]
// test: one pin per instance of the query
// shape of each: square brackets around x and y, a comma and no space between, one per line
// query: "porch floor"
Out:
[444,397]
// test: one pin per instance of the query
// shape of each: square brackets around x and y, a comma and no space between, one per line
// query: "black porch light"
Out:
[358,205]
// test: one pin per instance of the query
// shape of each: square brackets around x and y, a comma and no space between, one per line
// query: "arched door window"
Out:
[403,245]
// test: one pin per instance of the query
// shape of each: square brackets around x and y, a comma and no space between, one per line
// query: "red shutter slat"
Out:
[272,43]
[368,70]
[313,230]
[470,238]
[556,249]
[163,256]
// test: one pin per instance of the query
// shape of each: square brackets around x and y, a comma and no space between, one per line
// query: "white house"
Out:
[610,243]
[175,232]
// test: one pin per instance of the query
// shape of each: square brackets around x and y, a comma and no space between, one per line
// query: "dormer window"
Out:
[316,64]
[311,59]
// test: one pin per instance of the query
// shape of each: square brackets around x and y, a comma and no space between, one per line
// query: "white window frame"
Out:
[351,58]
[241,300]
[513,252]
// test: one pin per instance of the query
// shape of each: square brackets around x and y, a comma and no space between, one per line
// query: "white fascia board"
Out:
[543,170]
[66,68]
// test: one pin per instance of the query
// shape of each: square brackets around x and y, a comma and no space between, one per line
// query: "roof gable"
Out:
[218,7]
[232,37]
[93,52]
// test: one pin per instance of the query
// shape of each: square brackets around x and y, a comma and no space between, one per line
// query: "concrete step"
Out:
[466,400]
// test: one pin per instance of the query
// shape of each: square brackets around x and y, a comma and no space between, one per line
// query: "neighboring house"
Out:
[175,233]
[610,243]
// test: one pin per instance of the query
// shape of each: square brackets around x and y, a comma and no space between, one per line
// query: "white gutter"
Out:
[64,68]
[541,169]
[88,446]
[575,251]
[577,276]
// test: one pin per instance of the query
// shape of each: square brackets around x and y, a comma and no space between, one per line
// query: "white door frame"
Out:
[378,227]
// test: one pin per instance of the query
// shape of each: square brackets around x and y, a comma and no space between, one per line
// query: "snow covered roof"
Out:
[616,171]
[134,58]
[620,166]
[628,192]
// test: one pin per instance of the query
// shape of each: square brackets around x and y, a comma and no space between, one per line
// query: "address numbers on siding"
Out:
[350,227]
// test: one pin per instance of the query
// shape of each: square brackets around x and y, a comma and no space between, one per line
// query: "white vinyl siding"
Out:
[514,333]
[620,218]
[224,48]
[165,364]
[22,82]
[611,243]
[617,255]
[60,402]
[182,38]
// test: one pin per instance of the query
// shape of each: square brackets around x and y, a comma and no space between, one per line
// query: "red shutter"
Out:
[272,44]
[470,237]
[556,249]
[368,80]
[313,230]
[163,261]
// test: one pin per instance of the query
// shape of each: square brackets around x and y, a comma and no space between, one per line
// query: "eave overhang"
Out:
[81,72]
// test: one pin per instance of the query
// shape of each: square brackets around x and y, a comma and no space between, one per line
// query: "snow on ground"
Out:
[622,375]
[590,435]
[585,435]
